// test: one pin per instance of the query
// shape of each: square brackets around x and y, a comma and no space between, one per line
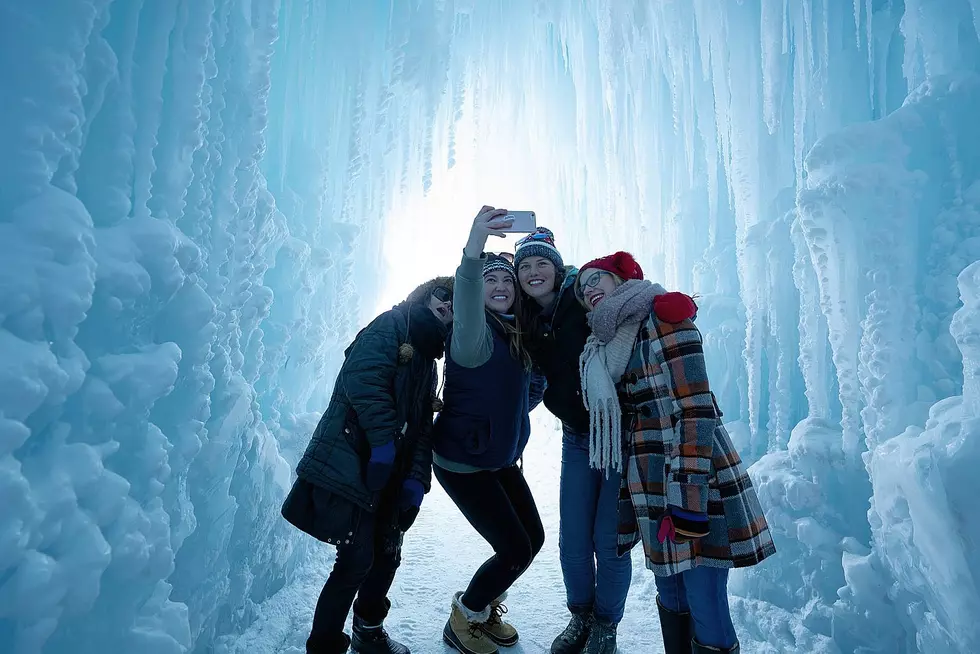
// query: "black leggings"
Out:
[499,505]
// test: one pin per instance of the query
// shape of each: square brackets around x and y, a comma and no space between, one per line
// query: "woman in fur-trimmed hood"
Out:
[361,481]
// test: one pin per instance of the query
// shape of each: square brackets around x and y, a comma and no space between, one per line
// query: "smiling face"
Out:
[441,304]
[537,277]
[498,291]
[595,285]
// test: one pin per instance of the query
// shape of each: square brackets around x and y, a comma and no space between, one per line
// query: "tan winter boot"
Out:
[464,630]
[500,632]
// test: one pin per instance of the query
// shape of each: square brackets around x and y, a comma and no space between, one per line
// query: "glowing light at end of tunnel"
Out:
[426,232]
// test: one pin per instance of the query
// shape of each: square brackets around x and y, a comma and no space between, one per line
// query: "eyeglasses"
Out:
[591,282]
[442,294]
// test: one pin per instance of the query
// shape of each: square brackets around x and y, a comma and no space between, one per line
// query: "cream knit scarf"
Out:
[615,324]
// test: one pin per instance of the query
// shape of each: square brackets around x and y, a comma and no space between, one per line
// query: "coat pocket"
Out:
[321,514]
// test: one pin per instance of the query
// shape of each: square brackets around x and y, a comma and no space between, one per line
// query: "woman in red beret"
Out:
[691,504]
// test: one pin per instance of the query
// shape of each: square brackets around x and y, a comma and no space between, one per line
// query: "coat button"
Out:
[346,430]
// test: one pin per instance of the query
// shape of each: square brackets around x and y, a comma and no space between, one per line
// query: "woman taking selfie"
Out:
[693,505]
[480,435]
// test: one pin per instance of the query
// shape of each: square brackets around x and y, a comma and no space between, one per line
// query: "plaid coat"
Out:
[679,453]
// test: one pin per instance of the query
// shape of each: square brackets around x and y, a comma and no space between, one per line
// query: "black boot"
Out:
[318,644]
[572,639]
[602,640]
[698,648]
[373,639]
[676,628]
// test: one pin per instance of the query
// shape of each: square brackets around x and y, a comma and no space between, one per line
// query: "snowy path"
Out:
[440,554]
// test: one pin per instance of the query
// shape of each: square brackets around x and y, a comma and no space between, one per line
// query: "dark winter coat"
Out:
[484,421]
[555,342]
[382,393]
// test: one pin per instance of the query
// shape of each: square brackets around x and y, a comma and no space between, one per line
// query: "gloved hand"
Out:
[409,502]
[681,526]
[675,307]
[379,466]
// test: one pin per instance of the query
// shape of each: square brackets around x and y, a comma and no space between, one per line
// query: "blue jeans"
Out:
[704,592]
[596,578]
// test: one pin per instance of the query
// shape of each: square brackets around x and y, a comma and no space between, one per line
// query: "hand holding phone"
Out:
[488,221]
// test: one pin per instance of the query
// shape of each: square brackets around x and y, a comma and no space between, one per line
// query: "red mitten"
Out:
[674,307]
[666,529]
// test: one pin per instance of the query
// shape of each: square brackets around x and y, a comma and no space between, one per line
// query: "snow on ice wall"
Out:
[193,196]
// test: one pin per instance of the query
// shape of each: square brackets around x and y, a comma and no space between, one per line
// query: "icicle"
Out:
[869,35]
[975,5]
[858,10]
[773,47]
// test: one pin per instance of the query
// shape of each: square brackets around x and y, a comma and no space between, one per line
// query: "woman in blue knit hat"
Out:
[597,578]
[480,434]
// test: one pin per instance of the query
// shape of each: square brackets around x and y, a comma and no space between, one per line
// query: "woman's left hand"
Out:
[679,526]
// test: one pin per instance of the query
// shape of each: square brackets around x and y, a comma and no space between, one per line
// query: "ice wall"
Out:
[175,255]
[193,196]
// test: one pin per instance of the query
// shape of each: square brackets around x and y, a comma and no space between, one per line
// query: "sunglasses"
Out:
[591,282]
[536,236]
[442,294]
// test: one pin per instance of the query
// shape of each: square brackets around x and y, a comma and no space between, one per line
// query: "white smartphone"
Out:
[525,222]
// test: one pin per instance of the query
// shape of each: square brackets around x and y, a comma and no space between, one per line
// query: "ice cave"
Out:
[203,201]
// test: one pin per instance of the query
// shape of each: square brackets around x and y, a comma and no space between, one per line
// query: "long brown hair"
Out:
[514,331]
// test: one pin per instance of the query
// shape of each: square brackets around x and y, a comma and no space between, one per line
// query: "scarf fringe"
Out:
[605,448]
[605,415]
[604,359]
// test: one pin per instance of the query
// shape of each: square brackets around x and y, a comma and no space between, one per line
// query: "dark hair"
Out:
[560,275]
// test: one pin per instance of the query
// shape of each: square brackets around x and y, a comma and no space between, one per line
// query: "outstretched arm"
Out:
[472,342]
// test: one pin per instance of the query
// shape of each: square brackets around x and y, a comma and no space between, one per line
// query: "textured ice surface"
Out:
[195,196]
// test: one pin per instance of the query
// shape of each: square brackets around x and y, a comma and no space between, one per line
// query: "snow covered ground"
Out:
[441,552]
